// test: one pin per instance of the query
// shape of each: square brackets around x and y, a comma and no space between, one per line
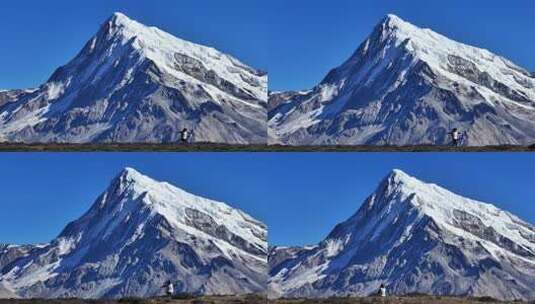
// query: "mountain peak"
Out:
[172,202]
[119,16]
[126,26]
[133,194]
[130,172]
[395,189]
[132,180]
[135,185]
[120,19]
[131,176]
[442,205]
[392,19]
[400,180]
[394,25]
[399,174]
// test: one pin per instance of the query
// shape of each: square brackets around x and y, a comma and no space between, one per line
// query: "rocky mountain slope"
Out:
[138,235]
[133,83]
[407,85]
[414,237]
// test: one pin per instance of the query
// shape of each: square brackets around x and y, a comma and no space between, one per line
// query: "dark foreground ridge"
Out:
[257,299]
[393,300]
[245,299]
[215,147]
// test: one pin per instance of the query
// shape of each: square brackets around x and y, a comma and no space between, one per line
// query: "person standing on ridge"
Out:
[382,290]
[185,134]
[170,289]
[455,137]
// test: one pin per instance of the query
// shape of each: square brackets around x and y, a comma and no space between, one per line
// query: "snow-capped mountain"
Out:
[133,83]
[408,85]
[138,235]
[413,237]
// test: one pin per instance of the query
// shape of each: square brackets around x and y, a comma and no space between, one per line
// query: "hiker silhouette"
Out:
[382,290]
[169,289]
[456,136]
[185,135]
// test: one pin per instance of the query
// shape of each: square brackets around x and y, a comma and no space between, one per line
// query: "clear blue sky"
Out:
[301,196]
[309,37]
[39,36]
[297,41]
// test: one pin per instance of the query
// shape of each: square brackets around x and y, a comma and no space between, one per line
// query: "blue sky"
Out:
[297,41]
[301,196]
[39,36]
[309,37]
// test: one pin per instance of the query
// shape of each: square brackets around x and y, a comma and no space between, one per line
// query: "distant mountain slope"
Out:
[133,83]
[139,234]
[413,237]
[406,85]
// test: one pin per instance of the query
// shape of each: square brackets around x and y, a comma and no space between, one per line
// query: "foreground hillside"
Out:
[390,300]
[215,147]
[253,299]
[246,299]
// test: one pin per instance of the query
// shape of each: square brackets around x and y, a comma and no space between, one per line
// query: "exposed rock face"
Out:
[132,83]
[413,237]
[405,85]
[138,235]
